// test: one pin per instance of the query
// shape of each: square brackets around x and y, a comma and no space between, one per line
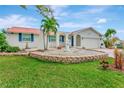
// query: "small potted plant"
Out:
[59,47]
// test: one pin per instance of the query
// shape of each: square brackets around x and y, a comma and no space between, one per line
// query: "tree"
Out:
[110,32]
[41,9]
[48,24]
[3,31]
[3,43]
[2,38]
[114,40]
[108,37]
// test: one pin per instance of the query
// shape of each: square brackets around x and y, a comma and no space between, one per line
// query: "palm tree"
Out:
[43,10]
[108,37]
[114,40]
[110,32]
[49,24]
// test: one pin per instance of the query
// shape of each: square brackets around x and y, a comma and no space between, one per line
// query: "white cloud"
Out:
[120,31]
[95,10]
[92,10]
[16,20]
[59,10]
[101,21]
[70,25]
[75,25]
[55,7]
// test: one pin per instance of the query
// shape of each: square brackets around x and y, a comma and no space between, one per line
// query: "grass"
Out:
[19,71]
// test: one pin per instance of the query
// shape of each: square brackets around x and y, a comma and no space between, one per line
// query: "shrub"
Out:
[3,43]
[12,49]
[2,38]
[4,46]
[104,64]
[118,58]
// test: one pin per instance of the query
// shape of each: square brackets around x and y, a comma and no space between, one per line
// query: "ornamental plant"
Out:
[104,64]
[118,59]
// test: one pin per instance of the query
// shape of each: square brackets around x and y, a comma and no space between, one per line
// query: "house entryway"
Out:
[72,40]
[78,40]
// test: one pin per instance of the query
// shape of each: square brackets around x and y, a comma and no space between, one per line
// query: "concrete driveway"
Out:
[110,52]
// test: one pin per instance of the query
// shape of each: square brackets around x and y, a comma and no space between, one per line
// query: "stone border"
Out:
[58,58]
[68,59]
[14,54]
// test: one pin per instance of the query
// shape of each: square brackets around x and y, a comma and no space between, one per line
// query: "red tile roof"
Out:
[23,30]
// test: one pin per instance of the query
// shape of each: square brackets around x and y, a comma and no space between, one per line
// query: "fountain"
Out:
[67,49]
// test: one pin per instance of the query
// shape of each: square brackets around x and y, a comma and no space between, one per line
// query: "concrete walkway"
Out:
[110,52]
[72,52]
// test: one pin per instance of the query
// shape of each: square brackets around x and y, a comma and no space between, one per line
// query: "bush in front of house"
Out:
[12,49]
[5,47]
[3,43]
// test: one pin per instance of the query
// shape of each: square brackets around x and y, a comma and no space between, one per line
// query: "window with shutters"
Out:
[52,38]
[26,37]
[61,38]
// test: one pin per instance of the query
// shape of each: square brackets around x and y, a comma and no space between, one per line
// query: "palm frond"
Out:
[24,6]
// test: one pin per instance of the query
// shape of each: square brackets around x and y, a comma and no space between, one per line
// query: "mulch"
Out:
[112,67]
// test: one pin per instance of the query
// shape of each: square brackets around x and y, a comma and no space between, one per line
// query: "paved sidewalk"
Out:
[110,52]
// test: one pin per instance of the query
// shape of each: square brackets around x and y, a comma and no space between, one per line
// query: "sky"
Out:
[69,17]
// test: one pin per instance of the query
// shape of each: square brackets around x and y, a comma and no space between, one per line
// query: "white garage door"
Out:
[90,43]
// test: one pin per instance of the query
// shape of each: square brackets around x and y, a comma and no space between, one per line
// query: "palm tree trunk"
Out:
[44,40]
[47,43]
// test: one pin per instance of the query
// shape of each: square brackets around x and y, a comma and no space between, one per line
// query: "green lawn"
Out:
[19,71]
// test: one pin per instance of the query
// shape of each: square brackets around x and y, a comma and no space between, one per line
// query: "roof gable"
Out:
[85,29]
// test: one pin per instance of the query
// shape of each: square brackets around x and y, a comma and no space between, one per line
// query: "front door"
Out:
[72,41]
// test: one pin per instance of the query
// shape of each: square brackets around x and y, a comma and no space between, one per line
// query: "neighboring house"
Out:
[119,44]
[122,43]
[84,38]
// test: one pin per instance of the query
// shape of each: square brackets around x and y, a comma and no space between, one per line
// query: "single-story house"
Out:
[119,44]
[84,38]
[19,36]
